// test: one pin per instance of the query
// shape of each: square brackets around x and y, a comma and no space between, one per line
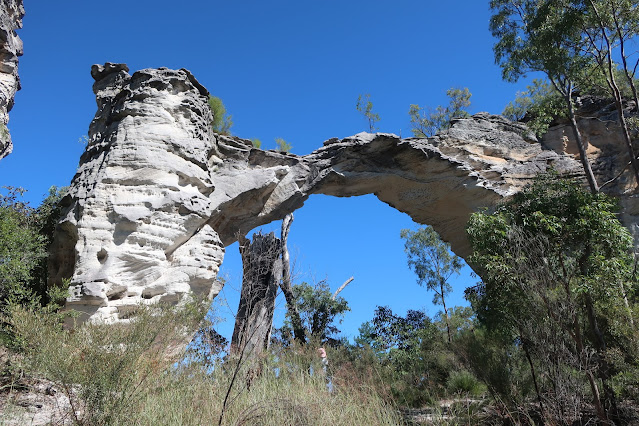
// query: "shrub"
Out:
[465,383]
[104,369]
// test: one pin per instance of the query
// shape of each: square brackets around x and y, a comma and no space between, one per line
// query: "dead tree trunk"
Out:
[265,266]
[287,288]
[261,275]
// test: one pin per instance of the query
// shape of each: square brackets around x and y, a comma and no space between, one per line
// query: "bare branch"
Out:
[342,287]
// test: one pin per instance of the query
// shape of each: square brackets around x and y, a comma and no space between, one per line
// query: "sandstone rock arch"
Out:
[157,196]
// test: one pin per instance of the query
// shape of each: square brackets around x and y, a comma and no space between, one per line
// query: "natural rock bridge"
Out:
[157,195]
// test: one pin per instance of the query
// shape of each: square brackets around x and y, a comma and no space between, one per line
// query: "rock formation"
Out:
[135,227]
[11,13]
[157,196]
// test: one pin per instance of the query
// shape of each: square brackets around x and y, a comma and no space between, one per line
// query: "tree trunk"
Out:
[254,319]
[594,188]
[609,67]
[441,287]
[603,368]
[534,375]
[287,288]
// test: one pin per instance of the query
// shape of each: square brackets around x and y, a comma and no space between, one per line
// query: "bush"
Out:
[104,369]
[464,383]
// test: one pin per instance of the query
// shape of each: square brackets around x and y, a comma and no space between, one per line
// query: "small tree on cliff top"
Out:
[222,121]
[426,122]
[365,107]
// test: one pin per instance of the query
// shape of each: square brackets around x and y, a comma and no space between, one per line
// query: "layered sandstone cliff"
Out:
[11,13]
[157,196]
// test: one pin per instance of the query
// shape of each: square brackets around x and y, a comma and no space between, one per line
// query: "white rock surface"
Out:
[157,197]
[135,228]
[11,13]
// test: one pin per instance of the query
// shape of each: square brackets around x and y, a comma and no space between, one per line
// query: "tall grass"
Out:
[126,375]
[196,398]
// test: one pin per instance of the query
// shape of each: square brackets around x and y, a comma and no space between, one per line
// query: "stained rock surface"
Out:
[157,196]
[11,13]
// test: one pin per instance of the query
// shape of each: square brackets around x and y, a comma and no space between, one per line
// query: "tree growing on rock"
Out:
[537,106]
[365,107]
[426,122]
[282,146]
[222,122]
[543,36]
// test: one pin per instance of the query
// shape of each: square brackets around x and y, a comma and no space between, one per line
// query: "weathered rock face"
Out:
[157,197]
[135,226]
[607,152]
[11,13]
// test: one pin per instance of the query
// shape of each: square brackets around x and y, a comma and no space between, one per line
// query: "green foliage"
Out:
[320,314]
[25,236]
[460,318]
[412,351]
[497,363]
[582,240]
[222,122]
[426,122]
[22,249]
[365,107]
[282,145]
[103,368]
[4,131]
[433,263]
[537,36]
[557,268]
[463,382]
[431,260]
[256,143]
[538,106]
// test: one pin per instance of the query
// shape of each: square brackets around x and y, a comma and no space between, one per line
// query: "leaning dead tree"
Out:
[265,266]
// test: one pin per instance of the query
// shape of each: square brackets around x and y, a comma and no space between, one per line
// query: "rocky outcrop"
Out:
[157,196]
[597,119]
[135,225]
[11,13]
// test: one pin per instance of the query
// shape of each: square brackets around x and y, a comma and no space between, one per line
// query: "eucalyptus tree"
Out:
[433,263]
[365,107]
[608,27]
[544,36]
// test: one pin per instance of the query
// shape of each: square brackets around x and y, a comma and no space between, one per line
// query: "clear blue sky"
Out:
[287,69]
